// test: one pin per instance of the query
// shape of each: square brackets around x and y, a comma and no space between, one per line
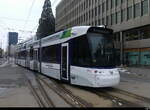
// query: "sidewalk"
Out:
[142,72]
[136,81]
[14,90]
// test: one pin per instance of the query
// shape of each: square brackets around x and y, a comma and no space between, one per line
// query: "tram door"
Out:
[36,59]
[28,59]
[65,62]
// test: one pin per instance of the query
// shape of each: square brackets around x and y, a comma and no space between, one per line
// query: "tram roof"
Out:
[62,36]
[68,34]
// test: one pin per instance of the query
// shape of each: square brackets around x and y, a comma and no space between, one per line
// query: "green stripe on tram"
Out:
[66,34]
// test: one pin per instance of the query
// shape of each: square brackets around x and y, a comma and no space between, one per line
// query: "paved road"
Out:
[135,82]
[129,77]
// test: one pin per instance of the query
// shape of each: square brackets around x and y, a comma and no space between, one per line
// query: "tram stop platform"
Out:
[135,80]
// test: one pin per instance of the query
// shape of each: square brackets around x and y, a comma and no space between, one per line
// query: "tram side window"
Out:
[81,52]
[49,54]
[22,55]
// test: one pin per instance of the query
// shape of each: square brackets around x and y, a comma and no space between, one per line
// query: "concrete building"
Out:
[12,38]
[12,41]
[130,20]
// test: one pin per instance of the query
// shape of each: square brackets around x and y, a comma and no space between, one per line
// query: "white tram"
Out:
[81,55]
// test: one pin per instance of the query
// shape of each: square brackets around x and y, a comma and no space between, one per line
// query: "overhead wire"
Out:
[15,19]
[28,16]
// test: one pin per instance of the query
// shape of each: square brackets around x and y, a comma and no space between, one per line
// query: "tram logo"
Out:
[66,34]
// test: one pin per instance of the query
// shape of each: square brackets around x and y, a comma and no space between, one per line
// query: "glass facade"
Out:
[137,56]
[123,15]
[118,17]
[113,19]
[85,11]
[112,3]
[138,34]
[130,12]
[144,7]
[137,10]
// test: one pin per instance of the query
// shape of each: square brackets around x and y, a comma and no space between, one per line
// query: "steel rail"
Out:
[35,94]
[45,94]
[138,98]
[42,98]
[76,101]
[132,95]
[118,101]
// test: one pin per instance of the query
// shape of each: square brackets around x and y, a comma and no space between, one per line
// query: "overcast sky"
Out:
[20,15]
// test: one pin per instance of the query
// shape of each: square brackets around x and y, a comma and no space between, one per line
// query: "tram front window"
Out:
[102,50]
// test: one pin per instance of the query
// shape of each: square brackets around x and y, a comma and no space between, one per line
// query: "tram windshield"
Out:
[102,50]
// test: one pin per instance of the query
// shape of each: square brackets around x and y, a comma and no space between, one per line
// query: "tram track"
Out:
[140,100]
[118,101]
[65,94]
[122,98]
[35,94]
[45,94]
[119,98]
[39,93]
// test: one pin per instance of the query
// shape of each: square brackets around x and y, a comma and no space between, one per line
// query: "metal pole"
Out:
[122,46]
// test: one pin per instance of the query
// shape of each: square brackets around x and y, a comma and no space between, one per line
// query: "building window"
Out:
[112,3]
[123,15]
[118,2]
[144,7]
[107,4]
[145,33]
[107,20]
[99,9]
[92,12]
[132,35]
[118,17]
[103,21]
[95,11]
[112,19]
[130,12]
[123,1]
[99,22]
[137,10]
[95,22]
[103,7]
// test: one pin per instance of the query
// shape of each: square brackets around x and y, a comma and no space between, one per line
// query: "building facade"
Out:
[12,38]
[130,20]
